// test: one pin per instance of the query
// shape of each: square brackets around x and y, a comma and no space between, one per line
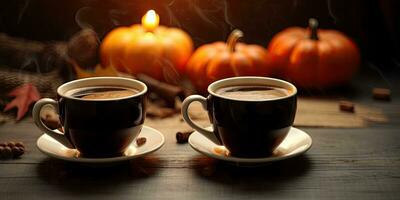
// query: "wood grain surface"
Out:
[356,163]
[342,164]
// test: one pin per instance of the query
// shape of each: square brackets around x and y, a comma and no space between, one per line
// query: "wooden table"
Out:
[342,164]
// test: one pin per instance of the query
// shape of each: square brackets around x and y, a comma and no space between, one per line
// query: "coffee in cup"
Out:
[100,116]
[253,92]
[102,92]
[251,116]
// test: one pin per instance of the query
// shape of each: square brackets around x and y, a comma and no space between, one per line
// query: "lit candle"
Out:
[150,20]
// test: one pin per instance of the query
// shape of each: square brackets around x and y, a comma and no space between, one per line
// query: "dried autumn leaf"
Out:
[24,95]
[98,71]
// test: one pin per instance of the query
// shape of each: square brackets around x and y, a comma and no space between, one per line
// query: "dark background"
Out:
[374,24]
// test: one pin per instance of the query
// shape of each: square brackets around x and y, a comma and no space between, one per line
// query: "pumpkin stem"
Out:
[233,38]
[313,25]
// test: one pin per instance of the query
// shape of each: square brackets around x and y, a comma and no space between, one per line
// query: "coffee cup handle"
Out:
[185,113]
[37,108]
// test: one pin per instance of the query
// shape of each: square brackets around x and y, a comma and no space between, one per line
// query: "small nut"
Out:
[11,144]
[346,106]
[6,153]
[17,151]
[20,144]
[22,149]
[381,94]
[140,141]
[1,152]
[183,136]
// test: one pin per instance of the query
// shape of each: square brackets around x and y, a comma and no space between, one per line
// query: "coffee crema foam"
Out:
[253,92]
[101,92]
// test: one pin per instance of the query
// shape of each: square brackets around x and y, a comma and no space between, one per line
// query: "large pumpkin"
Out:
[220,60]
[148,48]
[314,58]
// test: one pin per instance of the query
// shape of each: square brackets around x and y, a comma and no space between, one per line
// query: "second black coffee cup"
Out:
[251,116]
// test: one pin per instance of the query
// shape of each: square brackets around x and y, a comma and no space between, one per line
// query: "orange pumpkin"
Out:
[220,60]
[314,58]
[148,48]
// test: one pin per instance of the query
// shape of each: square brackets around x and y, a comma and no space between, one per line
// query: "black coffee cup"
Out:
[248,128]
[96,127]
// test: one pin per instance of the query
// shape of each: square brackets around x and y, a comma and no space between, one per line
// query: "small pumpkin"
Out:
[315,58]
[219,60]
[148,48]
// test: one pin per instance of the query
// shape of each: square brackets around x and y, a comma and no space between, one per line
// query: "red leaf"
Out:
[24,95]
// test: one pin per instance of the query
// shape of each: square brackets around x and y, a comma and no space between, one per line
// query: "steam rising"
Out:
[24,6]
[114,13]
[331,13]
[80,17]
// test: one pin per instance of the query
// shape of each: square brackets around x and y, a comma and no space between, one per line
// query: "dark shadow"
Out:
[81,180]
[273,176]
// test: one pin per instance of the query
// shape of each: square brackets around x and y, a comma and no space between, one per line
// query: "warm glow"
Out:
[150,20]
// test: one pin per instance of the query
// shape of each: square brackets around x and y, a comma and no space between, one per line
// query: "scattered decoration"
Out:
[140,141]
[11,149]
[382,94]
[24,95]
[346,106]
[220,60]
[314,58]
[183,136]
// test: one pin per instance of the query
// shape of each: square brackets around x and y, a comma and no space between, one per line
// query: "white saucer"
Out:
[295,143]
[154,141]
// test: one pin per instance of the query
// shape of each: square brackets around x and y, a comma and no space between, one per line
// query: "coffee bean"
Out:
[19,144]
[346,106]
[6,153]
[140,141]
[183,136]
[17,151]
[11,144]
[11,149]
[22,150]
[1,152]
[382,94]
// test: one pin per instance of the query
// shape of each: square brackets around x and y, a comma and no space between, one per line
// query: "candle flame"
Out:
[150,20]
